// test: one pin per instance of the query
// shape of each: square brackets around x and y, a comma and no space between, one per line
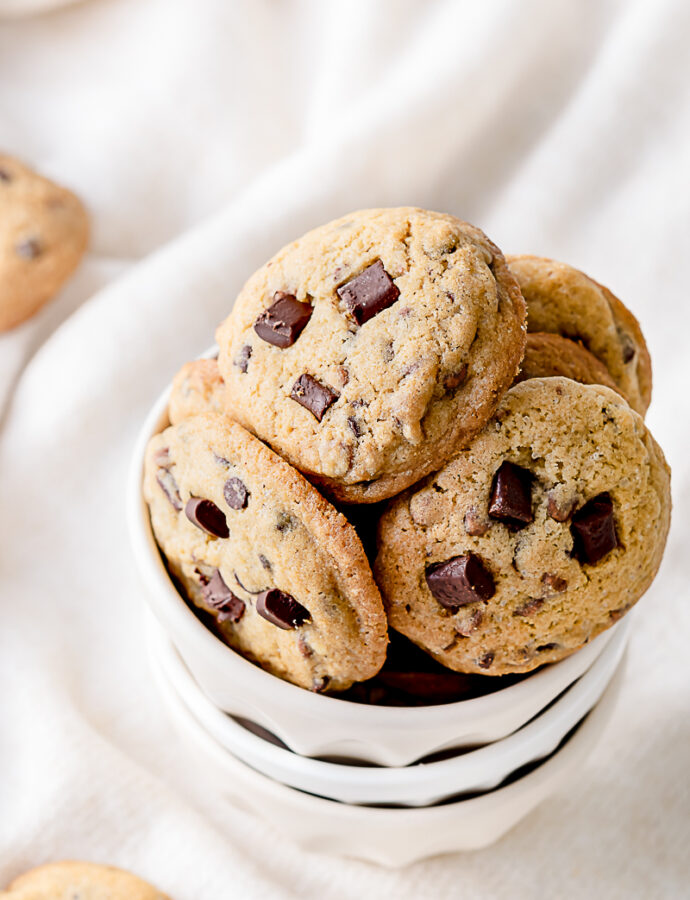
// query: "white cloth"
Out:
[203,135]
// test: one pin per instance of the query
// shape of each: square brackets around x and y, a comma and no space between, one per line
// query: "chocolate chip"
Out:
[5,175]
[242,361]
[166,482]
[304,647]
[627,346]
[354,426]
[284,320]
[265,562]
[218,596]
[511,496]
[465,627]
[529,606]
[554,582]
[281,609]
[616,614]
[594,529]
[475,525]
[551,646]
[285,522]
[313,395]
[460,580]
[485,661]
[221,460]
[206,516]
[29,248]
[235,493]
[369,293]
[560,511]
[451,382]
[320,684]
[162,457]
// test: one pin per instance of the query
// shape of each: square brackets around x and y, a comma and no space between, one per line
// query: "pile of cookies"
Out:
[381,446]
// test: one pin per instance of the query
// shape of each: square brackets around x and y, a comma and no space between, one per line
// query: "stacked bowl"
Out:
[388,784]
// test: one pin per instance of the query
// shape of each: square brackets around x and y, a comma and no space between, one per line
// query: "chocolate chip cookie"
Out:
[43,235]
[367,351]
[562,300]
[534,539]
[79,881]
[198,387]
[254,545]
[550,354]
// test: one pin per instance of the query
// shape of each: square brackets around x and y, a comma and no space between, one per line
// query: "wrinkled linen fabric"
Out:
[202,136]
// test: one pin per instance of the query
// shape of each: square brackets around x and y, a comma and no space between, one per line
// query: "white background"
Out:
[202,135]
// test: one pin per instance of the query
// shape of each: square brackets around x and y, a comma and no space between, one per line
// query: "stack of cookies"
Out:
[406,434]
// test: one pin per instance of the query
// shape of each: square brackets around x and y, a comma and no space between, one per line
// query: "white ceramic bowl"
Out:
[390,837]
[422,784]
[315,724]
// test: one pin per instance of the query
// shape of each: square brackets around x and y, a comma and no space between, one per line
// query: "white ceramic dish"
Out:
[390,837]
[314,724]
[422,784]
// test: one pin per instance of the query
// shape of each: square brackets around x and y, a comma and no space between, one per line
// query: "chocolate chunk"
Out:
[369,293]
[529,606]
[313,395]
[354,426]
[29,248]
[206,516]
[218,596]
[475,525]
[266,563]
[304,647]
[235,493]
[281,609]
[285,522]
[554,582]
[627,346]
[511,496]
[465,627]
[162,456]
[594,529]
[320,684]
[242,361]
[460,580]
[551,646]
[485,661]
[5,175]
[560,511]
[166,482]
[451,382]
[284,320]
[222,461]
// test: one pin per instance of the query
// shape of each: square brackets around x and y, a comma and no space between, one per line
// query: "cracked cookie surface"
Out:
[43,235]
[255,546]
[79,881]
[562,300]
[534,539]
[369,349]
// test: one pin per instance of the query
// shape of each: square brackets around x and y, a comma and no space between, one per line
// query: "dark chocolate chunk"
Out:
[560,511]
[551,646]
[369,293]
[320,684]
[281,609]
[29,248]
[313,395]
[485,661]
[285,522]
[206,516]
[284,320]
[529,606]
[511,496]
[354,426]
[166,482]
[475,525]
[451,382]
[594,529]
[627,346]
[460,580]
[218,596]
[5,175]
[242,361]
[554,582]
[235,493]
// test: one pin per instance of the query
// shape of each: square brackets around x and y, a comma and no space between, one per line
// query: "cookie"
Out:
[550,354]
[534,539]
[43,235]
[368,350]
[79,881]
[254,545]
[562,300]
[198,387]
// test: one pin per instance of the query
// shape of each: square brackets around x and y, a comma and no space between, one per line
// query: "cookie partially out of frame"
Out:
[562,300]
[79,881]
[258,548]
[538,536]
[368,350]
[43,235]
[547,355]
[198,387]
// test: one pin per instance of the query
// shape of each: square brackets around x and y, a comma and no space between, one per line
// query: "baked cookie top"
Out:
[535,538]
[367,350]
[79,881]
[562,300]
[198,387]
[43,234]
[550,354]
[258,548]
